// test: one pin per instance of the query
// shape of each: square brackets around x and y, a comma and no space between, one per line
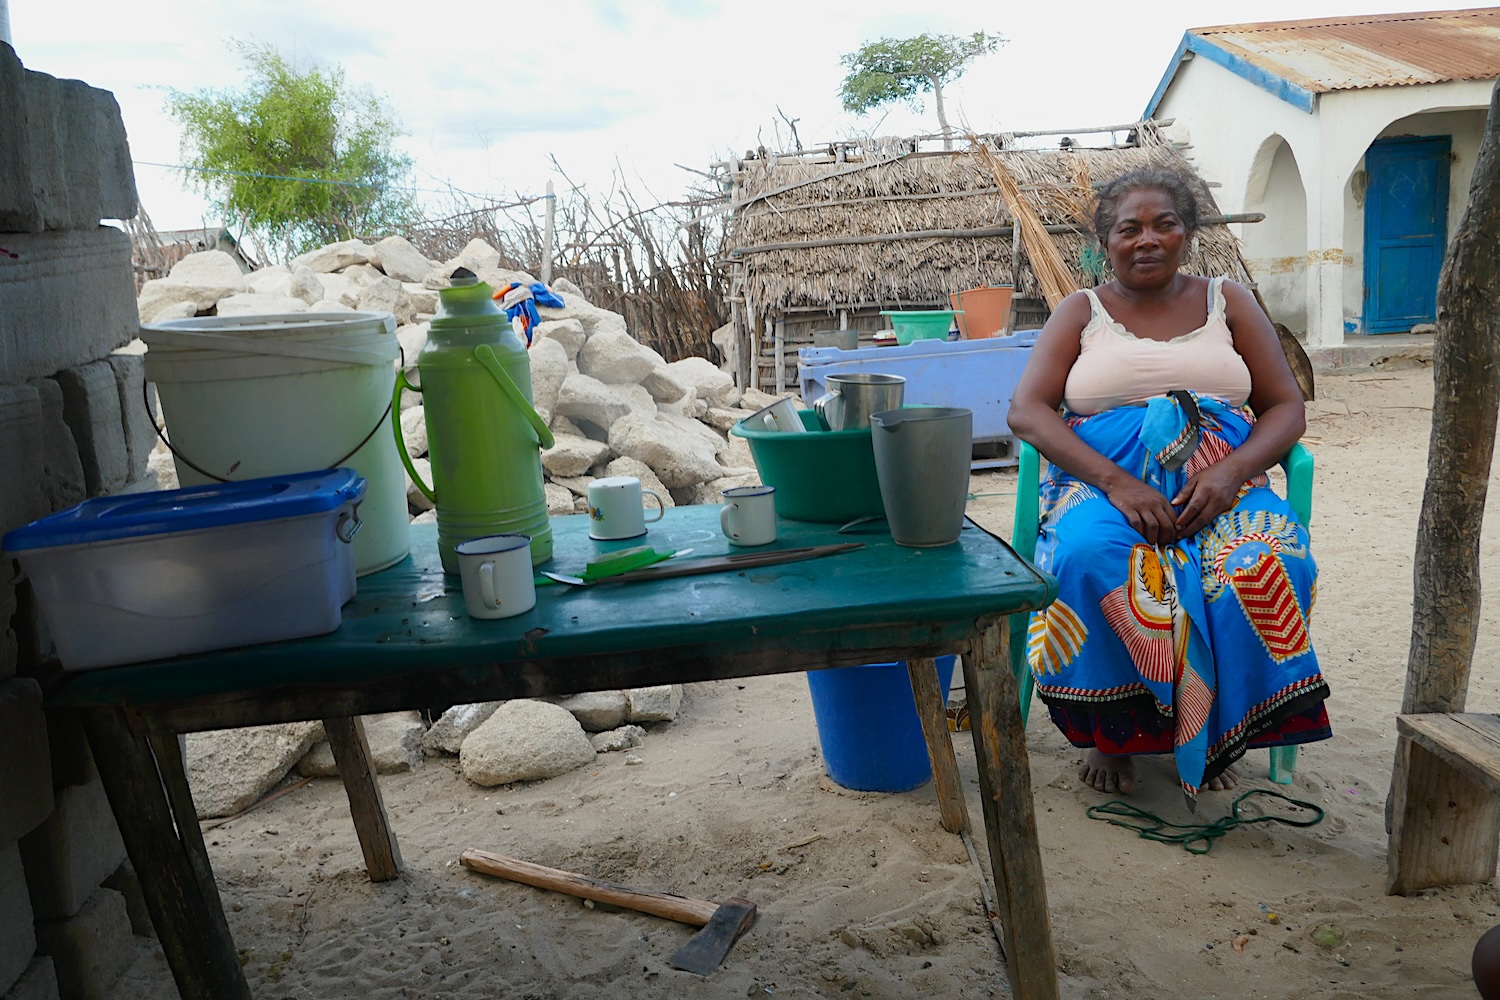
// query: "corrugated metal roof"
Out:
[1375,50]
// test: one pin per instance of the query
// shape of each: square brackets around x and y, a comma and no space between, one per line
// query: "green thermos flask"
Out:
[483,435]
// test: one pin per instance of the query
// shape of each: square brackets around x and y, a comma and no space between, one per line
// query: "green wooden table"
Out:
[406,642]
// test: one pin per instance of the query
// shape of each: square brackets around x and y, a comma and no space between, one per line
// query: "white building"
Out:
[1357,138]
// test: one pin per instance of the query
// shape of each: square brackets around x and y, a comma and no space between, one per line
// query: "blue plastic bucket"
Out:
[868,726]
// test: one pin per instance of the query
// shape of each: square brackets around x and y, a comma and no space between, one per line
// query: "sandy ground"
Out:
[884,903]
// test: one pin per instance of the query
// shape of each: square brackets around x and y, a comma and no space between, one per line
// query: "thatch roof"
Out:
[783,200]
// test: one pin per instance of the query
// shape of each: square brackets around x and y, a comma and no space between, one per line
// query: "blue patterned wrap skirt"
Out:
[1200,648]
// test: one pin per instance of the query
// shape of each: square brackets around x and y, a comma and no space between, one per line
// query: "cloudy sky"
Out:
[486,94]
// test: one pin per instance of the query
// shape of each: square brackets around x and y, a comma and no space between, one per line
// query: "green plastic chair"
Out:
[1299,481]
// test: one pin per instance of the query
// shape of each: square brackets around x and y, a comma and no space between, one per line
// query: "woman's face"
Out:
[1146,243]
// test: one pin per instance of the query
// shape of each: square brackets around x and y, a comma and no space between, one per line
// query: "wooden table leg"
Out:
[1010,815]
[168,752]
[930,709]
[351,752]
[185,909]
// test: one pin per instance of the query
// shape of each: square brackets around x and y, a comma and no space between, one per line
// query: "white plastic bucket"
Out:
[251,396]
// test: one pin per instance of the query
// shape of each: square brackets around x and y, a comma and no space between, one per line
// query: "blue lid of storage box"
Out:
[136,515]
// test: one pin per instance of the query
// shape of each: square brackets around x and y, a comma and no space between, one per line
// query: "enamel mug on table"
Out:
[496,574]
[617,508]
[748,516]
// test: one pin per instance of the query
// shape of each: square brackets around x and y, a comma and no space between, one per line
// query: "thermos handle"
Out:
[411,470]
[486,355]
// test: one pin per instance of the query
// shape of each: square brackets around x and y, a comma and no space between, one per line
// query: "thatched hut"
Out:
[827,240]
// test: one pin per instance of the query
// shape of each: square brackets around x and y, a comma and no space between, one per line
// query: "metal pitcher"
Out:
[922,458]
[851,399]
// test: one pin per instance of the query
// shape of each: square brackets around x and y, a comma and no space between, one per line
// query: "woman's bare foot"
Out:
[1224,781]
[1108,774]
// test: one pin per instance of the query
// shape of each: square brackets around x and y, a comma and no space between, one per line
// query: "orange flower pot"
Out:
[985,311]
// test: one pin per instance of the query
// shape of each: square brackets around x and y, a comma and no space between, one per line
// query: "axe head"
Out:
[706,949]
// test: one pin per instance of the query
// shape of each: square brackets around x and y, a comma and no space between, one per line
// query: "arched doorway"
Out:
[1276,249]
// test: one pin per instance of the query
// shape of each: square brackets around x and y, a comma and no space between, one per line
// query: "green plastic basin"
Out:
[819,476]
[920,324]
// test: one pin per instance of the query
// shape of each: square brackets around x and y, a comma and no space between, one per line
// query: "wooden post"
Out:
[1465,401]
[1017,254]
[753,324]
[1010,815]
[1466,397]
[189,921]
[735,330]
[780,359]
[546,275]
[929,698]
[746,341]
[351,752]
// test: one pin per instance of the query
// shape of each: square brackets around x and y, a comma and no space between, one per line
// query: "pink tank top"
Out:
[1115,367]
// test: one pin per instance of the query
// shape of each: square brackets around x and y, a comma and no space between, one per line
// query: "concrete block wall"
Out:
[64,158]
[72,425]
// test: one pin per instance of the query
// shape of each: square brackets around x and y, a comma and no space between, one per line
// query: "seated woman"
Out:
[1185,583]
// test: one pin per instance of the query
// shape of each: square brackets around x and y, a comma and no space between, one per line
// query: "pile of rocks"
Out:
[615,406]
[496,743]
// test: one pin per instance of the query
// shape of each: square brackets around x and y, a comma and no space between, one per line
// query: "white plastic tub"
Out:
[150,575]
[252,396]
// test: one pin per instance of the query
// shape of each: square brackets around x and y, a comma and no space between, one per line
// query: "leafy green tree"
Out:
[299,157]
[899,69]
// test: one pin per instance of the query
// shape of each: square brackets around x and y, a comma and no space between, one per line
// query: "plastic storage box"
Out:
[148,575]
[978,375]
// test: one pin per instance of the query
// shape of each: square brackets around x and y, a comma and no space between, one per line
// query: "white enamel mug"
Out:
[617,508]
[779,416]
[748,516]
[496,574]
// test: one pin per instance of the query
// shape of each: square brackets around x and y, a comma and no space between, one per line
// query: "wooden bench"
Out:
[1445,816]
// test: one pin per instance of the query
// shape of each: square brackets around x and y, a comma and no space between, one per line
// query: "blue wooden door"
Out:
[1406,231]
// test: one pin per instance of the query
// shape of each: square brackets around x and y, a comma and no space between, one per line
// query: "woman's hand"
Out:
[1205,496]
[1147,510]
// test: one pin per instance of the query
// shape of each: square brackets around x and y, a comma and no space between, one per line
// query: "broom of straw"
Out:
[1046,260]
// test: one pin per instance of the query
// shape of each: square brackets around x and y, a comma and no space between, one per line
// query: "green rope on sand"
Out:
[1196,838]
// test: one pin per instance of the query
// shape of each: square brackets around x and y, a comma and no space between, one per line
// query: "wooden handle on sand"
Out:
[680,908]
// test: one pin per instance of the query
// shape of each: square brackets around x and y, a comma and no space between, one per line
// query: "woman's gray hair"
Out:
[1169,182]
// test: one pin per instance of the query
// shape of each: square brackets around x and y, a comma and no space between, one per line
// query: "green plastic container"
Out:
[819,476]
[920,324]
